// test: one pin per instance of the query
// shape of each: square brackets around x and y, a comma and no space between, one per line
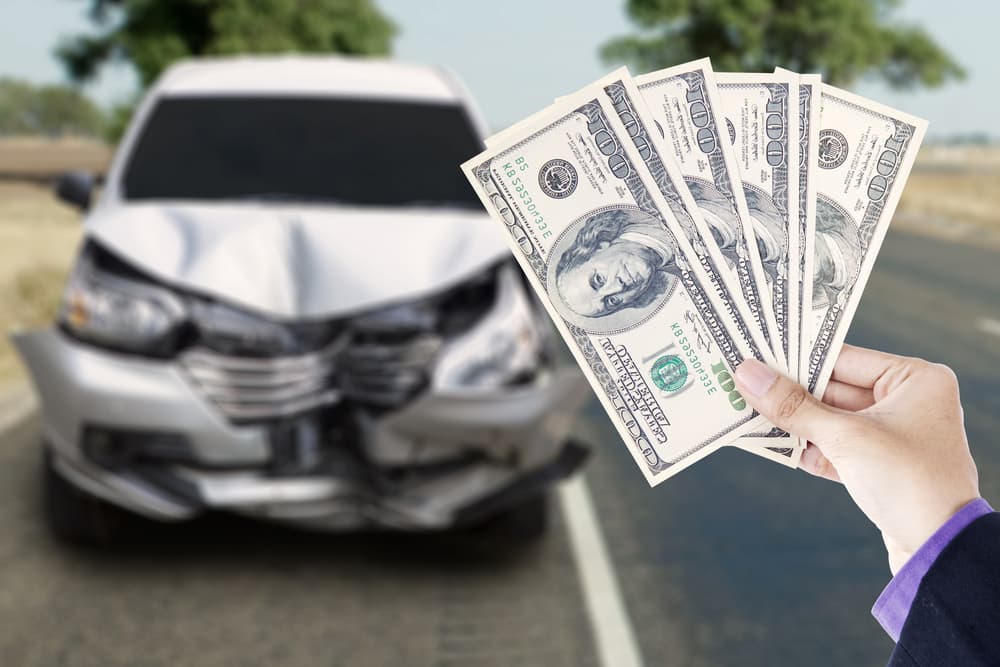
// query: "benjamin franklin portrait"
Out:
[612,269]
[837,256]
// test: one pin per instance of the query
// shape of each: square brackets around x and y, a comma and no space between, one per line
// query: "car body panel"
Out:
[304,75]
[301,262]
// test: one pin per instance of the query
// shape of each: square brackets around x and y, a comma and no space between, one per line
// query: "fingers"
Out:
[848,397]
[814,463]
[786,403]
[863,367]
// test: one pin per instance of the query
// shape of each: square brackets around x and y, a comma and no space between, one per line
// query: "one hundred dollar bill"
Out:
[865,153]
[761,112]
[761,115]
[809,121]
[619,280]
[685,106]
[809,125]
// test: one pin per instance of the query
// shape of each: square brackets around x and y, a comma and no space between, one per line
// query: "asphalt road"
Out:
[737,561]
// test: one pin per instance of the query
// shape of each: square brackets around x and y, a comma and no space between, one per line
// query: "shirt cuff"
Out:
[893,605]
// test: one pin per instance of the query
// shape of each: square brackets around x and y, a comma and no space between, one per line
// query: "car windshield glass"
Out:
[303,149]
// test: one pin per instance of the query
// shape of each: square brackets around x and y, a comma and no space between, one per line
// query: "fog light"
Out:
[114,449]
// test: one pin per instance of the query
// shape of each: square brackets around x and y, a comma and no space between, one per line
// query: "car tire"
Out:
[524,523]
[78,518]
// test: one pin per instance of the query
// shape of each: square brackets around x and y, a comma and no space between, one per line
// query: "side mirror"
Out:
[75,187]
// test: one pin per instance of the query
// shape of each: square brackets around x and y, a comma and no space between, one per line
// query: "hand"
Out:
[889,428]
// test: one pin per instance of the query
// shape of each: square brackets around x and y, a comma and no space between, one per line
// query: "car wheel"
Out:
[76,517]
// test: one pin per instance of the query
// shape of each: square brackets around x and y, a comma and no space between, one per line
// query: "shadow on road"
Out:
[218,537]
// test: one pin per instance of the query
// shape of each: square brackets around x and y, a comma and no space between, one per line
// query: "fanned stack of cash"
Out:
[678,222]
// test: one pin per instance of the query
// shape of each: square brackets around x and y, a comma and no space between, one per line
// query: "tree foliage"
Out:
[151,34]
[48,110]
[841,39]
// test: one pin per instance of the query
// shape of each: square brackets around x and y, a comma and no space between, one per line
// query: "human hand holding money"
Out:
[627,206]
[889,428]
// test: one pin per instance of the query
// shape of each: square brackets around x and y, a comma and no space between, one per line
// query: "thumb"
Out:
[786,403]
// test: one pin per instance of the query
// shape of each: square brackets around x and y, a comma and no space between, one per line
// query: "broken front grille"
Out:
[253,388]
[382,374]
[380,359]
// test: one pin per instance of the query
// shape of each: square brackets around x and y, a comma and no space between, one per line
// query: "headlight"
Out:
[228,330]
[505,346]
[118,312]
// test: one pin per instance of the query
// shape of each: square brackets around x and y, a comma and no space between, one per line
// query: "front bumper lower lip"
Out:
[322,501]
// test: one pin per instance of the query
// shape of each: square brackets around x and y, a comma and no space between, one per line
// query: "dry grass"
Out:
[954,186]
[946,196]
[963,157]
[36,157]
[38,237]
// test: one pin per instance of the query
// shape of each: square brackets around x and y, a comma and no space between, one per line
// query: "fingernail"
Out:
[755,377]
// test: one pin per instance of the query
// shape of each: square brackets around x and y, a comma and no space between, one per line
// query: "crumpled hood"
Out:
[301,262]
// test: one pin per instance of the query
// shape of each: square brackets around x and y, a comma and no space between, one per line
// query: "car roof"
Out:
[297,75]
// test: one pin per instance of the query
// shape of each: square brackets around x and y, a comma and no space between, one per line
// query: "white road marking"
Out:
[989,326]
[609,620]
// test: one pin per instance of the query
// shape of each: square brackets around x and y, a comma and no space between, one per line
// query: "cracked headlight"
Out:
[118,312]
[506,347]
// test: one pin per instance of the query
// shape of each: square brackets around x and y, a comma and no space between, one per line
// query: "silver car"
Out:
[288,304]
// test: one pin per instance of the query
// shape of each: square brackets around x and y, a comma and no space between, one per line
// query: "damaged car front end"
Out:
[430,414]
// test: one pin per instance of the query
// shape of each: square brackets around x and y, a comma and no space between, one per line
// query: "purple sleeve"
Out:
[893,605]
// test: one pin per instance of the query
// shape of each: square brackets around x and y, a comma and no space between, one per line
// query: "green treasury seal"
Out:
[669,373]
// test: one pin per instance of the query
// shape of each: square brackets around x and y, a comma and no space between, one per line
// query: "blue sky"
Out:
[517,55]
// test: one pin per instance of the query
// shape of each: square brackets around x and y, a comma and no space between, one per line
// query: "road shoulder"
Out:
[17,403]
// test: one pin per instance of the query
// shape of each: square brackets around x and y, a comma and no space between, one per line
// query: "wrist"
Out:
[896,554]
[900,551]
[893,605]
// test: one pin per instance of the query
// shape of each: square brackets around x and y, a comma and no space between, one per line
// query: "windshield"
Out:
[366,152]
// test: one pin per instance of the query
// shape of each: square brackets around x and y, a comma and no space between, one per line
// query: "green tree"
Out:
[840,39]
[49,110]
[151,34]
